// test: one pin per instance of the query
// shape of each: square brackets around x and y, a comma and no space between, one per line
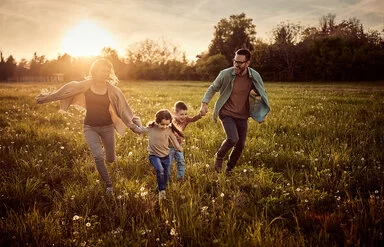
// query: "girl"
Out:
[106,109]
[160,132]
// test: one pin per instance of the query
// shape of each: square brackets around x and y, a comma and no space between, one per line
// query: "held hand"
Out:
[41,98]
[136,120]
[262,121]
[203,109]
[132,125]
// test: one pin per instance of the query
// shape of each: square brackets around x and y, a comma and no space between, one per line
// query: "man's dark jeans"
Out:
[236,131]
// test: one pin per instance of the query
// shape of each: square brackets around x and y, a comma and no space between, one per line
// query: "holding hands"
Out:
[203,109]
[41,99]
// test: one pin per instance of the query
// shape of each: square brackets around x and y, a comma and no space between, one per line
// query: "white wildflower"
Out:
[76,217]
[173,232]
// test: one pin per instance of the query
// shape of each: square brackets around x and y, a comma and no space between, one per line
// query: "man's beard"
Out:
[239,71]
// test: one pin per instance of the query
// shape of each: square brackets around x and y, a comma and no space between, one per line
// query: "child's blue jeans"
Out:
[161,165]
[179,157]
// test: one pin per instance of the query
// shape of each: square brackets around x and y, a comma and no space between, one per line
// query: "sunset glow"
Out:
[86,39]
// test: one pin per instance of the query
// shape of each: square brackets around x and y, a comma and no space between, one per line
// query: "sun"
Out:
[86,39]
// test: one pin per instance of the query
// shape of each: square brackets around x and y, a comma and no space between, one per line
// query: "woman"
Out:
[106,110]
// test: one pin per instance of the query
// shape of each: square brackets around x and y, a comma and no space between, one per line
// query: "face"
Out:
[102,74]
[241,64]
[164,124]
[181,114]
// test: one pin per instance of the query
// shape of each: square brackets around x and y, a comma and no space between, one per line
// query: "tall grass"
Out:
[310,175]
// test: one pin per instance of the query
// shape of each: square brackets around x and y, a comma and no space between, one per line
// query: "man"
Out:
[242,95]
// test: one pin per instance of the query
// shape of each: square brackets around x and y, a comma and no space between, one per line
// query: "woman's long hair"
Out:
[100,63]
[164,114]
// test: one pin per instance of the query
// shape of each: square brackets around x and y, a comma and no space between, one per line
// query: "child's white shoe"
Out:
[162,195]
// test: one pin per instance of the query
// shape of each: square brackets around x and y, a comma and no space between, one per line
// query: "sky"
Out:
[52,27]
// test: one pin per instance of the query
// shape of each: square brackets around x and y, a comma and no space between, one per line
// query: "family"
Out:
[241,95]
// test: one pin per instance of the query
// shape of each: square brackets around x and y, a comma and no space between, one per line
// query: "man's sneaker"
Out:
[109,191]
[218,164]
[181,180]
[162,195]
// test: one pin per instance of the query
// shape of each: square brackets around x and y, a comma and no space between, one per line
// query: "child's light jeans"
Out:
[179,157]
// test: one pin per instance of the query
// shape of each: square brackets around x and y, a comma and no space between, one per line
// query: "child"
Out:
[181,120]
[160,132]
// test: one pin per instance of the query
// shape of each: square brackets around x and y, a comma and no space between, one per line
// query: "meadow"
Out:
[311,175]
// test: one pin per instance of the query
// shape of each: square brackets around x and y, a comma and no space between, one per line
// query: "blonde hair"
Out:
[97,65]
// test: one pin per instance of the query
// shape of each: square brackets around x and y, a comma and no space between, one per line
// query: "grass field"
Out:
[311,175]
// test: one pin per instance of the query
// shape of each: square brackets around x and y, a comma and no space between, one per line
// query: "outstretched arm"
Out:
[175,143]
[213,88]
[138,129]
[68,90]
[195,118]
[203,109]
[136,122]
[42,98]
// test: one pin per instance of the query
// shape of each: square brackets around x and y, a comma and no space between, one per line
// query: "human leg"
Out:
[172,152]
[92,137]
[107,134]
[180,162]
[156,163]
[242,128]
[230,129]
[165,162]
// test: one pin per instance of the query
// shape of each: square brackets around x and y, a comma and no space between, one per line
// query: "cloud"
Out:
[189,24]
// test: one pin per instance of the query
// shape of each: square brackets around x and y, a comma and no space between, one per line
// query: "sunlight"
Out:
[86,39]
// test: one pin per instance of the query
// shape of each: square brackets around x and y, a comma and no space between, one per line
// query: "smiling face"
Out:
[164,124]
[103,74]
[101,70]
[241,64]
[181,115]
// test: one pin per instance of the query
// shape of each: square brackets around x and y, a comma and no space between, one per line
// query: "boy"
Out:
[180,120]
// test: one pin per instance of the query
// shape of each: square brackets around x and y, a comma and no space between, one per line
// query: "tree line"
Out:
[331,51]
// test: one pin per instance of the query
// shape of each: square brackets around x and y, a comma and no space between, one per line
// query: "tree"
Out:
[153,52]
[155,60]
[10,66]
[286,35]
[327,24]
[22,68]
[209,66]
[36,63]
[3,72]
[232,34]
[118,64]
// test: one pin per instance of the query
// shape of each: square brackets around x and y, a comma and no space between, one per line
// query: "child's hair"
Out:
[180,105]
[164,114]
[97,65]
